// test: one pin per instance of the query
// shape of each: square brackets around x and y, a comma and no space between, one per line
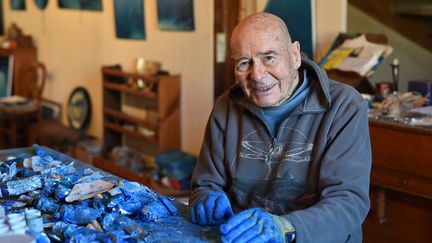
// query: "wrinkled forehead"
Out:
[249,41]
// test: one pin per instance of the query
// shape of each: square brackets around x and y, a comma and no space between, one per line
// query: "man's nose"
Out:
[257,71]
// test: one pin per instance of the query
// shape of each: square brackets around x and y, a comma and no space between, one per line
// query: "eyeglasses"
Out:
[244,64]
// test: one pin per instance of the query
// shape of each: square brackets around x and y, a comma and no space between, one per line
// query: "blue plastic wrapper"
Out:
[156,210]
[112,222]
[50,187]
[138,192]
[61,170]
[117,236]
[38,150]
[78,214]
[61,192]
[65,231]
[9,172]
[101,201]
[71,178]
[24,172]
[47,205]
[119,203]
[18,187]
[40,163]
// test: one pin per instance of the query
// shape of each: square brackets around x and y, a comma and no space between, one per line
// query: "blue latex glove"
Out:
[212,209]
[257,225]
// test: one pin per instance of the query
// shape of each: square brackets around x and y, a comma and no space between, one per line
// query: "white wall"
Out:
[415,61]
[330,20]
[75,44]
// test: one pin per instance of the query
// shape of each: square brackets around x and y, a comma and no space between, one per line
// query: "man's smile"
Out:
[262,89]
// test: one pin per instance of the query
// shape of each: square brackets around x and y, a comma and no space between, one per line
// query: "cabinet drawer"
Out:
[399,181]
[402,149]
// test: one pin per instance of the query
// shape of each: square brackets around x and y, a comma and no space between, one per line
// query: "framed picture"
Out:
[129,19]
[302,12]
[18,4]
[92,5]
[41,4]
[175,15]
[6,71]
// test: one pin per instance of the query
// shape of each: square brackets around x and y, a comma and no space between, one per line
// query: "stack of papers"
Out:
[357,55]
[13,100]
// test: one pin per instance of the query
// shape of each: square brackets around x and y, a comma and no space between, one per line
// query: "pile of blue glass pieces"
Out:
[86,205]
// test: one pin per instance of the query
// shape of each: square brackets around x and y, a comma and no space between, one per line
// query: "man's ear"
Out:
[296,54]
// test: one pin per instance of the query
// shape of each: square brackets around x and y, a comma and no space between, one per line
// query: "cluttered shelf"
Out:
[131,119]
[131,133]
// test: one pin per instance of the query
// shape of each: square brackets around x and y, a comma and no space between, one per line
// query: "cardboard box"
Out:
[424,87]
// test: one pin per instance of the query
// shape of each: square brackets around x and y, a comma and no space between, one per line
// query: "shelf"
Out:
[128,118]
[130,133]
[145,120]
[123,74]
[130,90]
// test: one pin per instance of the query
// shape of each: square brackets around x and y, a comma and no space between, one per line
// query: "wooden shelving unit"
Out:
[145,118]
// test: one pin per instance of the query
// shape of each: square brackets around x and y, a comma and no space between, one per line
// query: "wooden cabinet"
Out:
[401,158]
[15,120]
[141,112]
[401,161]
[23,58]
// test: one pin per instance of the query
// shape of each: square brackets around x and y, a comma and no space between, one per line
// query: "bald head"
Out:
[261,23]
[266,62]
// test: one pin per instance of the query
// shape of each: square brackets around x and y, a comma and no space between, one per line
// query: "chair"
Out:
[15,119]
[32,82]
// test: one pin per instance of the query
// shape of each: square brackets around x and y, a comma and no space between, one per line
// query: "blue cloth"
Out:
[213,209]
[276,115]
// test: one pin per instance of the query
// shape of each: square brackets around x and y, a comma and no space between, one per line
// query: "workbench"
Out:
[170,229]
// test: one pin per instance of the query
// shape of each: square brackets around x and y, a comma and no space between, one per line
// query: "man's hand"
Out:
[257,225]
[212,209]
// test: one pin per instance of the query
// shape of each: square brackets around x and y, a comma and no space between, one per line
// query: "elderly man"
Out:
[285,148]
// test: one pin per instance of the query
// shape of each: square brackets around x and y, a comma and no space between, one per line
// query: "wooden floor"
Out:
[409,219]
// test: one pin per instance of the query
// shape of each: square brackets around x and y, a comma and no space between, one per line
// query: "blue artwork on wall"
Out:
[41,4]
[18,4]
[129,19]
[175,15]
[297,15]
[93,5]
[5,75]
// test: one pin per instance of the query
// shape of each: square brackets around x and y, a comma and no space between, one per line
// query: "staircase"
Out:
[410,18]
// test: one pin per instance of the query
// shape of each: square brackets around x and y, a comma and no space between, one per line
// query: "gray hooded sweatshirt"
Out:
[315,172]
